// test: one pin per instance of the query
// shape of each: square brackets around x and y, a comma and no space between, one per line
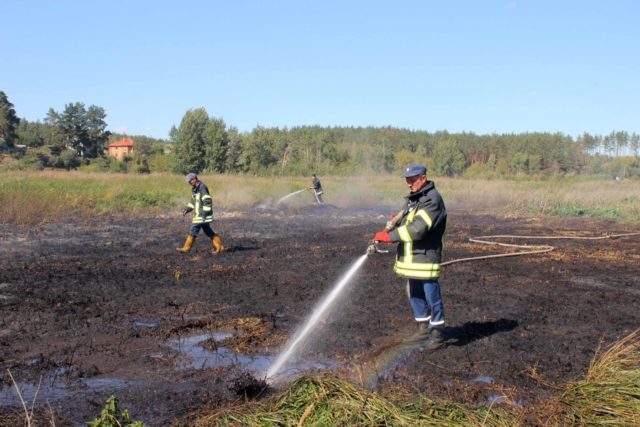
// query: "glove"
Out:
[393,221]
[382,236]
[185,211]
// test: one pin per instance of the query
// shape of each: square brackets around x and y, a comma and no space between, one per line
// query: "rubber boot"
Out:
[187,245]
[217,244]
[436,339]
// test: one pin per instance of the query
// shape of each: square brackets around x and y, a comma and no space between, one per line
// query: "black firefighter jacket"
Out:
[420,235]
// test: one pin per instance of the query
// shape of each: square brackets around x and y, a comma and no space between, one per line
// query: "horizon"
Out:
[573,137]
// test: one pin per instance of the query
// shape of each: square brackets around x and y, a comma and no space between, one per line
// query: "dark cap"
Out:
[191,176]
[414,170]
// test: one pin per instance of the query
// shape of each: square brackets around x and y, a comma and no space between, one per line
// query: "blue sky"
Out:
[479,66]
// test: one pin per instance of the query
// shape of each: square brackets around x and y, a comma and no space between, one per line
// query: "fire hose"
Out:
[534,249]
[489,240]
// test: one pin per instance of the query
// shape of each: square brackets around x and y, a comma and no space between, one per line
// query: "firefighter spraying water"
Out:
[419,230]
[324,305]
[316,189]
[419,233]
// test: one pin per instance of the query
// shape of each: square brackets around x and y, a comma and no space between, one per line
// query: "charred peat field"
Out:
[107,307]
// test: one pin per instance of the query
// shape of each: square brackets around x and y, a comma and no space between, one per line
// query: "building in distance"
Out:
[121,148]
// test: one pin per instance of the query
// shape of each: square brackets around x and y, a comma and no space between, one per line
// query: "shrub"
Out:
[109,416]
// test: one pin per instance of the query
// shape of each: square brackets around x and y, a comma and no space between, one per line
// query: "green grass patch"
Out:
[130,199]
[578,210]
[626,209]
[33,197]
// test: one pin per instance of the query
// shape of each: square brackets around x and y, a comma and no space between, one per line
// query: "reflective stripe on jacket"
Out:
[201,204]
[420,235]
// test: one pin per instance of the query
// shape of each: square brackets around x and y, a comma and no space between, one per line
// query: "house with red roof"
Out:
[121,148]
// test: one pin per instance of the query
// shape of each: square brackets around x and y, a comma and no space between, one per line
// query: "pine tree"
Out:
[8,122]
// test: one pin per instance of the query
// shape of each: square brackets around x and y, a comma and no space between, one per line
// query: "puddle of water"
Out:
[221,335]
[145,324]
[104,384]
[197,357]
[482,379]
[55,390]
[201,359]
[193,355]
[47,391]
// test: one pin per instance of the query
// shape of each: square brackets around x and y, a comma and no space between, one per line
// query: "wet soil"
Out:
[108,306]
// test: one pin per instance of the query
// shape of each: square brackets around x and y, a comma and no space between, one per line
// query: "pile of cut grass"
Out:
[329,401]
[609,395]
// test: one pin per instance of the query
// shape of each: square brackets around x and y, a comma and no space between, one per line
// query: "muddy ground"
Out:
[108,307]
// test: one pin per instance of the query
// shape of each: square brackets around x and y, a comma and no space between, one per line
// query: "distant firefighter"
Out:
[202,207]
[317,188]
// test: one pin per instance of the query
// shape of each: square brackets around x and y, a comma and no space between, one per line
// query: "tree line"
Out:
[77,137]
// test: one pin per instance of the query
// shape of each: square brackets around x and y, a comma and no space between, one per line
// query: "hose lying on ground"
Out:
[534,249]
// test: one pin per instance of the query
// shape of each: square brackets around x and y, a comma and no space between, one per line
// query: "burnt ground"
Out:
[108,307]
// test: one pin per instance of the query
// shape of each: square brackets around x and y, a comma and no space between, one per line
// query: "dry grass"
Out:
[609,395]
[328,401]
[34,197]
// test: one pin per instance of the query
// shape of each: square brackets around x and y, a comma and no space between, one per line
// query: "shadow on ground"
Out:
[383,365]
[473,331]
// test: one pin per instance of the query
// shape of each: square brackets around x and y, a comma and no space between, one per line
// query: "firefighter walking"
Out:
[202,207]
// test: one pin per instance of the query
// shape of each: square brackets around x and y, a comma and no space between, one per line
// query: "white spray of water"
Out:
[311,322]
[289,195]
